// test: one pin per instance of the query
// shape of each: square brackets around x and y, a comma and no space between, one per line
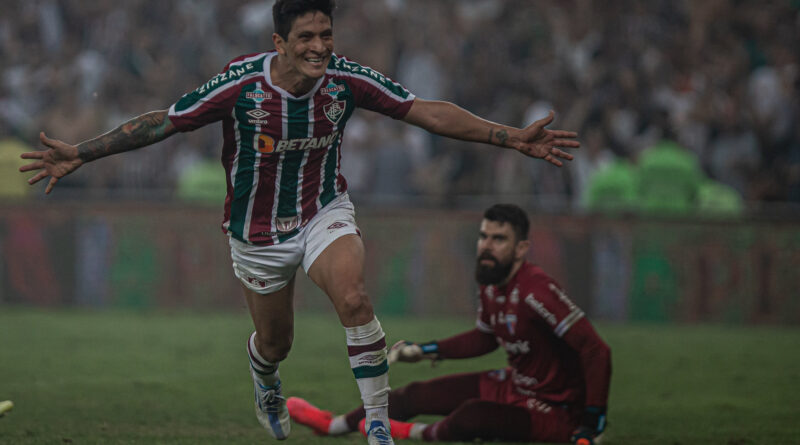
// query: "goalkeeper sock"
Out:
[338,426]
[263,371]
[366,348]
[400,430]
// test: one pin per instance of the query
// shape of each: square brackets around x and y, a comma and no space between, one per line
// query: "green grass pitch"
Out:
[85,377]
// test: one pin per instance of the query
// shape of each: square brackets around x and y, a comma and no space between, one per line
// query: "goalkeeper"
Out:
[555,387]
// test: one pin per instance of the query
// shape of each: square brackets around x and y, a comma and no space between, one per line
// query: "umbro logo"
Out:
[257,113]
[337,225]
[258,116]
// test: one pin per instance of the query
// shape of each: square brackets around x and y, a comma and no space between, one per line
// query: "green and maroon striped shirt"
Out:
[282,153]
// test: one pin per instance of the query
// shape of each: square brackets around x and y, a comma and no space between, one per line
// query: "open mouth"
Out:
[315,60]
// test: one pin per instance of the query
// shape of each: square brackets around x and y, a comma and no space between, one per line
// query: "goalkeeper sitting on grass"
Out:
[555,388]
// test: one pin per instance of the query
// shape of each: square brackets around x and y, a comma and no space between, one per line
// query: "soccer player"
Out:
[283,116]
[555,388]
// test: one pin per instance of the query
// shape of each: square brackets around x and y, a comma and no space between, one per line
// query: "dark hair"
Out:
[512,214]
[284,12]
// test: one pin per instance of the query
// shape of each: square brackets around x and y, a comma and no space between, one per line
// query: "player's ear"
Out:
[280,44]
[521,249]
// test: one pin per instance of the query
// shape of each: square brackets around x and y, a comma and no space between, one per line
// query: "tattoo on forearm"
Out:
[502,136]
[138,132]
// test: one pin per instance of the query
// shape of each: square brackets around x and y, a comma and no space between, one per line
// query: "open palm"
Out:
[59,160]
[539,142]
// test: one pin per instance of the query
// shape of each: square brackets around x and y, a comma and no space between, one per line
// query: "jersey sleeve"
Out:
[374,91]
[552,305]
[473,343]
[215,99]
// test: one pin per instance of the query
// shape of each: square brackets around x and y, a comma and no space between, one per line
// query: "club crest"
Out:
[334,110]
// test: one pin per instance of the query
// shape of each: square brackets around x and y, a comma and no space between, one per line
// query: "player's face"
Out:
[498,250]
[309,45]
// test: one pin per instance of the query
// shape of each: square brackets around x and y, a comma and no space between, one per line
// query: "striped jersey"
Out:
[282,153]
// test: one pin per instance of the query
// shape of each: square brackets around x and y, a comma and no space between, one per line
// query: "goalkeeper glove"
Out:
[593,422]
[410,352]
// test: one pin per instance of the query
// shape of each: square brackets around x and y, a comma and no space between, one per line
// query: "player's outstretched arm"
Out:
[61,159]
[450,120]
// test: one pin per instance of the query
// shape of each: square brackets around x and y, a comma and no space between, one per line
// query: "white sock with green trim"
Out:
[366,347]
[263,371]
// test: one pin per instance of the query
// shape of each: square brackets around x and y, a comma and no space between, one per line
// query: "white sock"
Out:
[416,431]
[366,348]
[338,426]
[263,371]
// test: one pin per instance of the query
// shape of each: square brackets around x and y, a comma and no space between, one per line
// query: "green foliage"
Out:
[180,378]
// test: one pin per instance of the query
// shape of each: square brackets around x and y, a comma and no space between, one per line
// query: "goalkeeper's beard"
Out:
[496,274]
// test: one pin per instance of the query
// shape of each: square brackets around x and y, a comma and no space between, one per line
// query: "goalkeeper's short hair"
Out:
[512,214]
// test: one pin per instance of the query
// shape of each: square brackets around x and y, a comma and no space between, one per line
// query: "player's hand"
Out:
[410,352]
[593,422]
[539,142]
[59,160]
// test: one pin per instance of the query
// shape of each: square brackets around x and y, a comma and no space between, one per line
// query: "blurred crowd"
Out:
[720,78]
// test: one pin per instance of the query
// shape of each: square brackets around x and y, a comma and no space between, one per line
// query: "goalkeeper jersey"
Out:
[554,353]
[282,153]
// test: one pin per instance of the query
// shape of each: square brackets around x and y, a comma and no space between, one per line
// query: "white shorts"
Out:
[267,269]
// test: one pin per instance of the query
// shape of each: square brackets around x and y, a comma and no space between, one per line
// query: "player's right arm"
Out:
[61,159]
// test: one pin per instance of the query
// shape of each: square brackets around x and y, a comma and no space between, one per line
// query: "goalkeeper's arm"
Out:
[469,344]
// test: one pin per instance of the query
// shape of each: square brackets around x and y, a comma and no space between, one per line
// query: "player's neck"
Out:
[283,75]
[514,270]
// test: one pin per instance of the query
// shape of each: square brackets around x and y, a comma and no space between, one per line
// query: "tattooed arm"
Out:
[450,120]
[61,159]
[138,132]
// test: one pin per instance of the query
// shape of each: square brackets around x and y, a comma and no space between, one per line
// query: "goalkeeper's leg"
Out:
[439,396]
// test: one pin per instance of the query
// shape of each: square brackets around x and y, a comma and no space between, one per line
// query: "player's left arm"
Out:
[450,120]
[595,358]
[568,322]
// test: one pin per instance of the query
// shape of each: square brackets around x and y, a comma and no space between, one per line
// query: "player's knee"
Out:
[355,307]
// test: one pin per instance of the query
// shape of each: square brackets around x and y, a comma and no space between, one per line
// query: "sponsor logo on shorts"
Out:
[258,95]
[261,284]
[337,225]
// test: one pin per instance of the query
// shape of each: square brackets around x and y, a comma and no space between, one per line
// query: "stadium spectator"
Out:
[282,114]
[555,388]
[632,60]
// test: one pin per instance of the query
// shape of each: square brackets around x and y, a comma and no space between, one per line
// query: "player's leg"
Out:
[269,345]
[338,271]
[480,419]
[267,277]
[439,396]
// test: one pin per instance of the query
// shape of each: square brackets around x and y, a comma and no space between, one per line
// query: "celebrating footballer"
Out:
[283,115]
